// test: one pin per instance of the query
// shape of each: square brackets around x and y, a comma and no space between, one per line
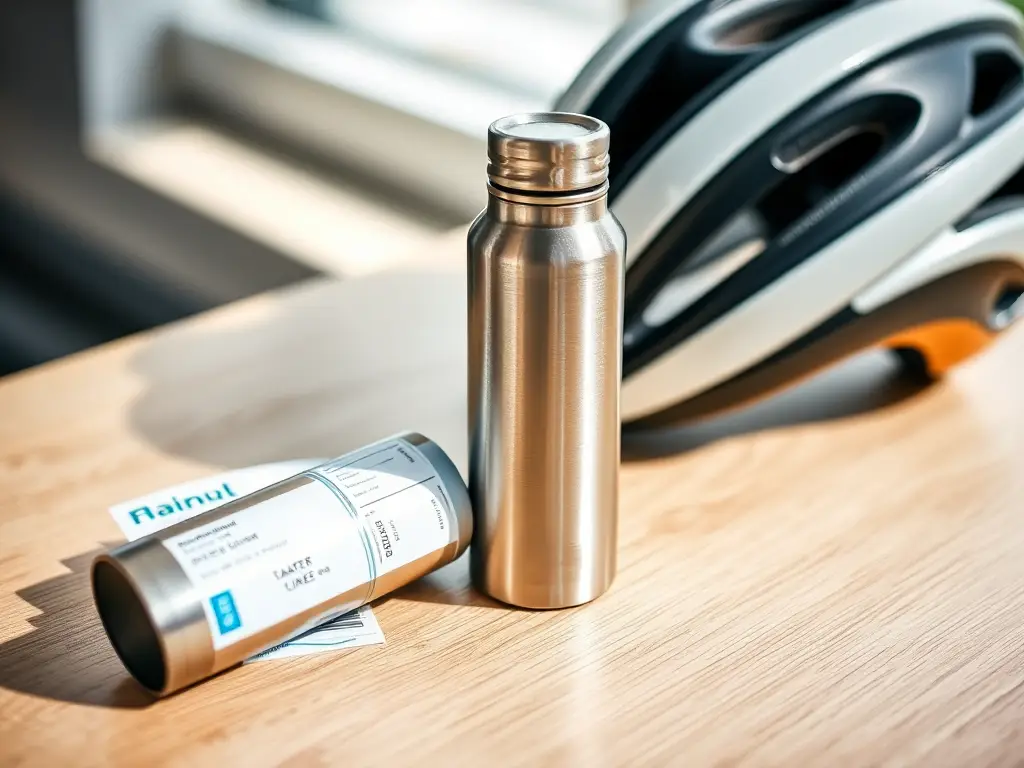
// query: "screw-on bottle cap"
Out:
[547,152]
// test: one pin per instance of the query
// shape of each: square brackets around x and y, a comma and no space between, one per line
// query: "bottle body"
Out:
[545,296]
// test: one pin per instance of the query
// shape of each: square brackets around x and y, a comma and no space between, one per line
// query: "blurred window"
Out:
[402,90]
[531,47]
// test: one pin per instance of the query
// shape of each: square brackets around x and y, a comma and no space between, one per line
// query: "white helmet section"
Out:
[829,281]
[1000,237]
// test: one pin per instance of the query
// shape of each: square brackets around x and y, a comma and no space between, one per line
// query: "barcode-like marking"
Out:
[348,621]
[351,620]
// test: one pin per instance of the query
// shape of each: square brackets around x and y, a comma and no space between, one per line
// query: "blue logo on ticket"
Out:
[223,605]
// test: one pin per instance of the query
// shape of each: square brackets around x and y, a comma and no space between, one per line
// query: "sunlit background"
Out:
[161,157]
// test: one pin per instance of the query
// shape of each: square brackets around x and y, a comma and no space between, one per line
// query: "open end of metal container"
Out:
[130,628]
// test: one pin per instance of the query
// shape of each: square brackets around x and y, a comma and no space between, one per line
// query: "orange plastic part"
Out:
[944,343]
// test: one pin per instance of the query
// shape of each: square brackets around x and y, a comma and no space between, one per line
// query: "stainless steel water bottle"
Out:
[545,282]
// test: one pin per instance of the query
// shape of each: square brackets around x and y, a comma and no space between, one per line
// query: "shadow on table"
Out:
[351,362]
[450,585]
[67,656]
[869,383]
[345,364]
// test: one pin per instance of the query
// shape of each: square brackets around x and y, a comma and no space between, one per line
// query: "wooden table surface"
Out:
[836,578]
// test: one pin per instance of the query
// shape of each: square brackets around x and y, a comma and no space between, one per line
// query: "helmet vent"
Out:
[997,74]
[1009,197]
[816,181]
[1008,307]
[747,23]
[1012,189]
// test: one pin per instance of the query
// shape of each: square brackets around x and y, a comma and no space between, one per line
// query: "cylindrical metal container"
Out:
[545,290]
[196,598]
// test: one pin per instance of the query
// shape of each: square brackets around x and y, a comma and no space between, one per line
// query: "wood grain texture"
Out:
[834,579]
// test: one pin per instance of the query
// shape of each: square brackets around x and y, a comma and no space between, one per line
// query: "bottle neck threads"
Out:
[548,158]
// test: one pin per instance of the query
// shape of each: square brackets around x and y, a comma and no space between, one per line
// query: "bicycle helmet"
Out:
[800,180]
